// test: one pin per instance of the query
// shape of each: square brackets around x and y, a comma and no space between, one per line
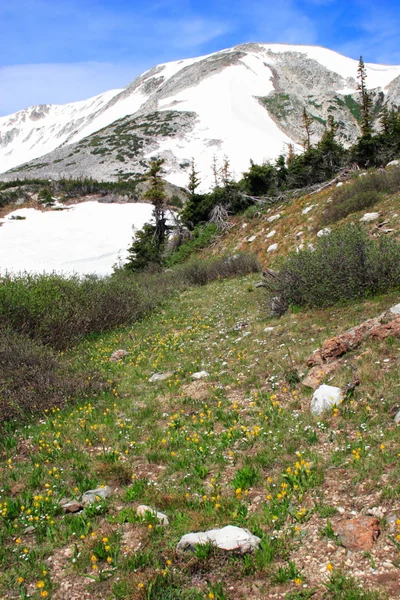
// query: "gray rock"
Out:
[72,507]
[395,310]
[272,248]
[393,163]
[274,218]
[397,418]
[251,239]
[118,355]
[142,510]
[161,376]
[368,217]
[325,398]
[324,231]
[92,496]
[228,538]
[200,375]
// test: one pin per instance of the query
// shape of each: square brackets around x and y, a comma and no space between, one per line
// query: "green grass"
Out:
[231,449]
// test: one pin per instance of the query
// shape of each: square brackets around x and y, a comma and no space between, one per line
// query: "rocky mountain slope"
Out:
[244,102]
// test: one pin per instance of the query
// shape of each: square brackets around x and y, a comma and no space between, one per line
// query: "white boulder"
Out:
[100,493]
[200,375]
[324,231]
[395,310]
[325,397]
[161,376]
[228,538]
[143,510]
[393,163]
[274,218]
[397,418]
[272,247]
[368,217]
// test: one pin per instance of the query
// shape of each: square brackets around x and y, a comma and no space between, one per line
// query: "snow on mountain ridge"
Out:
[243,101]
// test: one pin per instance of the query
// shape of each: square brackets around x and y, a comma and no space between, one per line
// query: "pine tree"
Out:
[194,180]
[290,155]
[307,122]
[225,173]
[215,171]
[365,100]
[156,195]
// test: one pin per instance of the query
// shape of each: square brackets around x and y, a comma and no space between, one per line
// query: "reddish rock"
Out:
[386,324]
[359,533]
[317,374]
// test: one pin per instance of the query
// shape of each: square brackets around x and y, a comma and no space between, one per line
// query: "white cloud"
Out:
[26,85]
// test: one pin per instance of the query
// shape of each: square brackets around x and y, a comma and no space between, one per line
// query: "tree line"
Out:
[317,163]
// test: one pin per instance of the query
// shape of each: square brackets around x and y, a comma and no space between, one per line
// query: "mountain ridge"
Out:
[243,102]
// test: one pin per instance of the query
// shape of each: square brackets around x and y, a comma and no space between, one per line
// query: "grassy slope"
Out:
[212,453]
[187,449]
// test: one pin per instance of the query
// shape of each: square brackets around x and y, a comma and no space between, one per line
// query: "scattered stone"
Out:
[395,310]
[200,375]
[318,373]
[239,326]
[251,239]
[393,163]
[324,231]
[72,507]
[325,398]
[359,533]
[339,184]
[93,495]
[272,247]
[391,520]
[397,418]
[368,217]
[143,510]
[271,233]
[118,355]
[376,511]
[228,538]
[161,376]
[268,329]
[306,210]
[29,530]
[274,218]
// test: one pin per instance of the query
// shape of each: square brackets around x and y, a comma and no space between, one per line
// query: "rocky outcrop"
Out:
[386,324]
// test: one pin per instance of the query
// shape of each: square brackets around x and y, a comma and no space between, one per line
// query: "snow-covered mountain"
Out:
[244,102]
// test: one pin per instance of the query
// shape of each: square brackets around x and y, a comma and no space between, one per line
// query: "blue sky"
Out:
[55,51]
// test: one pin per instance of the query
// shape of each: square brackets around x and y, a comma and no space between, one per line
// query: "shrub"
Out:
[59,311]
[341,208]
[361,193]
[345,265]
[33,378]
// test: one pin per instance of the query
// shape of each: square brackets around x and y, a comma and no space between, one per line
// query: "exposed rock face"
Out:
[228,538]
[359,533]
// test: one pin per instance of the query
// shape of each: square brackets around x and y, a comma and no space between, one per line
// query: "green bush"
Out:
[33,378]
[345,265]
[59,311]
[340,208]
[202,237]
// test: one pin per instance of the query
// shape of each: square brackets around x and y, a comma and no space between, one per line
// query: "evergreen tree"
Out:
[215,171]
[194,180]
[281,171]
[290,155]
[225,173]
[307,122]
[156,195]
[365,100]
